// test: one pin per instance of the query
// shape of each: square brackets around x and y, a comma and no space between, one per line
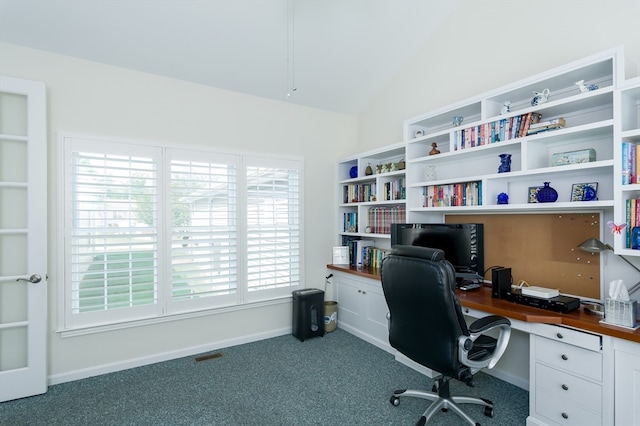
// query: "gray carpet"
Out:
[337,379]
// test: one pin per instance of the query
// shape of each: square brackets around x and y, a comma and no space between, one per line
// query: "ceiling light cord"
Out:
[291,44]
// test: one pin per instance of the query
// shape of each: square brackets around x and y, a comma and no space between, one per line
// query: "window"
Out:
[152,231]
[273,226]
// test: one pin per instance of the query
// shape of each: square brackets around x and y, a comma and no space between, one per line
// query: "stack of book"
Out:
[630,163]
[500,130]
[453,195]
[545,126]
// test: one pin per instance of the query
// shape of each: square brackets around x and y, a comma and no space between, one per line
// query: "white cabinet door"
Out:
[627,383]
[349,296]
[376,309]
[362,309]
[23,238]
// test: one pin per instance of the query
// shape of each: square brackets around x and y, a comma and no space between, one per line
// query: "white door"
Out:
[23,238]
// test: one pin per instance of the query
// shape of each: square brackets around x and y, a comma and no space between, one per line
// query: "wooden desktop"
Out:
[481,300]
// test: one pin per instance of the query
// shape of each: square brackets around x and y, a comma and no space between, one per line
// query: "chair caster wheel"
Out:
[488,411]
[394,400]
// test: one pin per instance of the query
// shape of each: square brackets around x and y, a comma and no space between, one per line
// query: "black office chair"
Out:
[426,324]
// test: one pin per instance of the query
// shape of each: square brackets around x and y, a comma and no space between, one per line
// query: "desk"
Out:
[601,371]
[482,301]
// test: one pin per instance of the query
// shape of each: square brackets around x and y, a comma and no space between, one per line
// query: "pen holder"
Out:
[619,312]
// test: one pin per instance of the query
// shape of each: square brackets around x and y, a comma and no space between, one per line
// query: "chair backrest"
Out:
[426,319]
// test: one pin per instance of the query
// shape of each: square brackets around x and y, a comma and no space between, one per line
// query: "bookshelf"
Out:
[464,177]
[627,101]
[369,203]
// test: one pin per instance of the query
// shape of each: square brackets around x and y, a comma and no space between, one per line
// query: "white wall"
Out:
[487,44]
[90,98]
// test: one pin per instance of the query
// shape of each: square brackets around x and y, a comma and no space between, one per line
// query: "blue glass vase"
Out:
[635,238]
[547,194]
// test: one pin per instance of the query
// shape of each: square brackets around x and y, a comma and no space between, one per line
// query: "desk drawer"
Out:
[567,335]
[569,358]
[564,385]
[563,412]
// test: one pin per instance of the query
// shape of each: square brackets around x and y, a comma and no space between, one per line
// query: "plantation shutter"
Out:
[113,232]
[273,225]
[203,228]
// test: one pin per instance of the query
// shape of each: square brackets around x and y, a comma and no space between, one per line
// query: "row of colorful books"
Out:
[495,131]
[381,218]
[372,257]
[350,222]
[630,163]
[359,193]
[453,195]
[394,190]
[632,210]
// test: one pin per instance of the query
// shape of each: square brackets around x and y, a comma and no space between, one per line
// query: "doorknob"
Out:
[34,279]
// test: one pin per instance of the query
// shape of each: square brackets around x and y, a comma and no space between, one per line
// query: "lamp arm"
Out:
[637,285]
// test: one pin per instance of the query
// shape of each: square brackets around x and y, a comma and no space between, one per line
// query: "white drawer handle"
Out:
[564,357]
[565,387]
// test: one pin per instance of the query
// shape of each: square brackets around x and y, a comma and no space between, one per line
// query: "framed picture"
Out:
[584,191]
[533,193]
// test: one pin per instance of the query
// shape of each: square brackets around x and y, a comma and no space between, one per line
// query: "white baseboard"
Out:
[367,338]
[165,356]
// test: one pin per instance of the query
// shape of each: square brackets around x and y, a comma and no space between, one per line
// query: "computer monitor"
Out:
[462,243]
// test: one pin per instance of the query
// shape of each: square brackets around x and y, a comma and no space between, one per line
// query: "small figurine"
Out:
[585,87]
[434,149]
[503,198]
[506,107]
[368,171]
[540,97]
[615,228]
[505,163]
[457,120]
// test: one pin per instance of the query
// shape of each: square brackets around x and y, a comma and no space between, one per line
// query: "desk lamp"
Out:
[594,245]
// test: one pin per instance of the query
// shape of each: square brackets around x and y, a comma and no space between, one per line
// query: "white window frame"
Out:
[166,308]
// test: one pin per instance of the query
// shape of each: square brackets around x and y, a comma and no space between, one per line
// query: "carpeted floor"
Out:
[334,380]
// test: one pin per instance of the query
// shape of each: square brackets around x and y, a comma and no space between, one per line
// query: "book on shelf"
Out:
[503,129]
[452,195]
[373,256]
[630,168]
[558,122]
[350,222]
[381,218]
[358,193]
[632,218]
[359,250]
[394,190]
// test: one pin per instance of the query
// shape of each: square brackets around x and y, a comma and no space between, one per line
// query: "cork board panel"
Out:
[541,249]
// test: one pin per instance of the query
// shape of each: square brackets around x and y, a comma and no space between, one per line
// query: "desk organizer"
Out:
[619,312]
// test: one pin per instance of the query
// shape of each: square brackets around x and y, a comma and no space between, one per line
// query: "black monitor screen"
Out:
[462,243]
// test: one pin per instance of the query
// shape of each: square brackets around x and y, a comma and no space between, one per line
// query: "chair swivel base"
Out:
[443,401]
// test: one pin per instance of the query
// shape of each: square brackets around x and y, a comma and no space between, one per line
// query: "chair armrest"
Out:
[465,343]
[487,323]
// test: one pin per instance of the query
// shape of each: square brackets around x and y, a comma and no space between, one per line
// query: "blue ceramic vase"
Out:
[547,194]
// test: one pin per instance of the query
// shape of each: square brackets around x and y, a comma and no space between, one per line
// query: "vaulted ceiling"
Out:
[336,54]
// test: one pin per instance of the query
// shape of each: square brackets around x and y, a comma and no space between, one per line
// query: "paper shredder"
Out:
[308,313]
